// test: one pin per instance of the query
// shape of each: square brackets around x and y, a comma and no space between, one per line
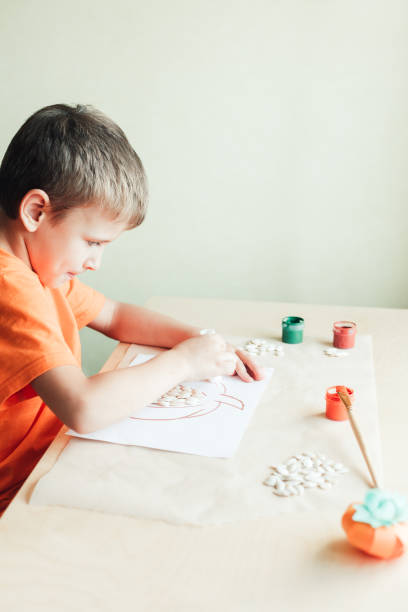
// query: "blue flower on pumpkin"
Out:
[381,509]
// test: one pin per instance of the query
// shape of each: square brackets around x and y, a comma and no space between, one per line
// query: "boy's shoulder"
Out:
[38,330]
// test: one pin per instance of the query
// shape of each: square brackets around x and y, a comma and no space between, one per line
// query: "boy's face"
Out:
[72,245]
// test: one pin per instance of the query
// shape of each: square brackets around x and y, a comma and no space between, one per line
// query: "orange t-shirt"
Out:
[38,331]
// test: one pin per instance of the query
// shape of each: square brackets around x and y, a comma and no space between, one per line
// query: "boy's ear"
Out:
[32,208]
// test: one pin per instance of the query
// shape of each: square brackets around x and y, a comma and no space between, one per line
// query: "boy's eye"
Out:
[92,243]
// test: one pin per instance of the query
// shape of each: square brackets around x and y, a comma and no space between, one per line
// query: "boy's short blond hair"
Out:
[78,156]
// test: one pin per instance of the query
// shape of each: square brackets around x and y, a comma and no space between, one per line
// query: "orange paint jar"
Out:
[344,334]
[335,409]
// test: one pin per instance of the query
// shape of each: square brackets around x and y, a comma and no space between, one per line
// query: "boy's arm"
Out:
[88,404]
[138,325]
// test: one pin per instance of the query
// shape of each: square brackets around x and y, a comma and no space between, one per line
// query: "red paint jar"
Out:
[335,409]
[344,334]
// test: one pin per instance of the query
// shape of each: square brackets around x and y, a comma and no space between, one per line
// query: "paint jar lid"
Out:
[293,322]
[332,394]
[344,327]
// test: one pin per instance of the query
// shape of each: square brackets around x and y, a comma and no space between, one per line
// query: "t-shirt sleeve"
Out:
[31,338]
[86,303]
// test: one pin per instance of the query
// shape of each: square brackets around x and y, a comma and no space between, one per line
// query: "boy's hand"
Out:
[207,356]
[246,366]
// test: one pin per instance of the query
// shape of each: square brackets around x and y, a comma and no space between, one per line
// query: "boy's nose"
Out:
[93,263]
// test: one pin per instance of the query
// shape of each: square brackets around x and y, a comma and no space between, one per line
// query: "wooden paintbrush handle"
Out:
[344,396]
[362,446]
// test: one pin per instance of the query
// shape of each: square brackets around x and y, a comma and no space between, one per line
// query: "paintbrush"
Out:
[344,396]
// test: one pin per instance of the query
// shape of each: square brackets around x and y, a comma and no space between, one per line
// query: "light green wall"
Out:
[274,134]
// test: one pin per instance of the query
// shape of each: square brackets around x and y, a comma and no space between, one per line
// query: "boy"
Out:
[70,183]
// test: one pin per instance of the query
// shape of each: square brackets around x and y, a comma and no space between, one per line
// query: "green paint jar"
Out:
[292,330]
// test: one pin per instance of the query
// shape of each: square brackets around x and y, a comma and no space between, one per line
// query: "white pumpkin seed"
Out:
[283,493]
[309,484]
[325,485]
[270,481]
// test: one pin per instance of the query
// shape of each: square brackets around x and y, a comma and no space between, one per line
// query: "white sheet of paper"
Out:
[212,429]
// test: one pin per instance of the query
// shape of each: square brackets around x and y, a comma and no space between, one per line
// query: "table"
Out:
[66,559]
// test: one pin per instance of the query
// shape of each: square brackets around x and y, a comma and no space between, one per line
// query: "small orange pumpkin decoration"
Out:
[379,533]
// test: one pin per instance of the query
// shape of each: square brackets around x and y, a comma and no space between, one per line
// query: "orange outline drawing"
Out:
[201,411]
